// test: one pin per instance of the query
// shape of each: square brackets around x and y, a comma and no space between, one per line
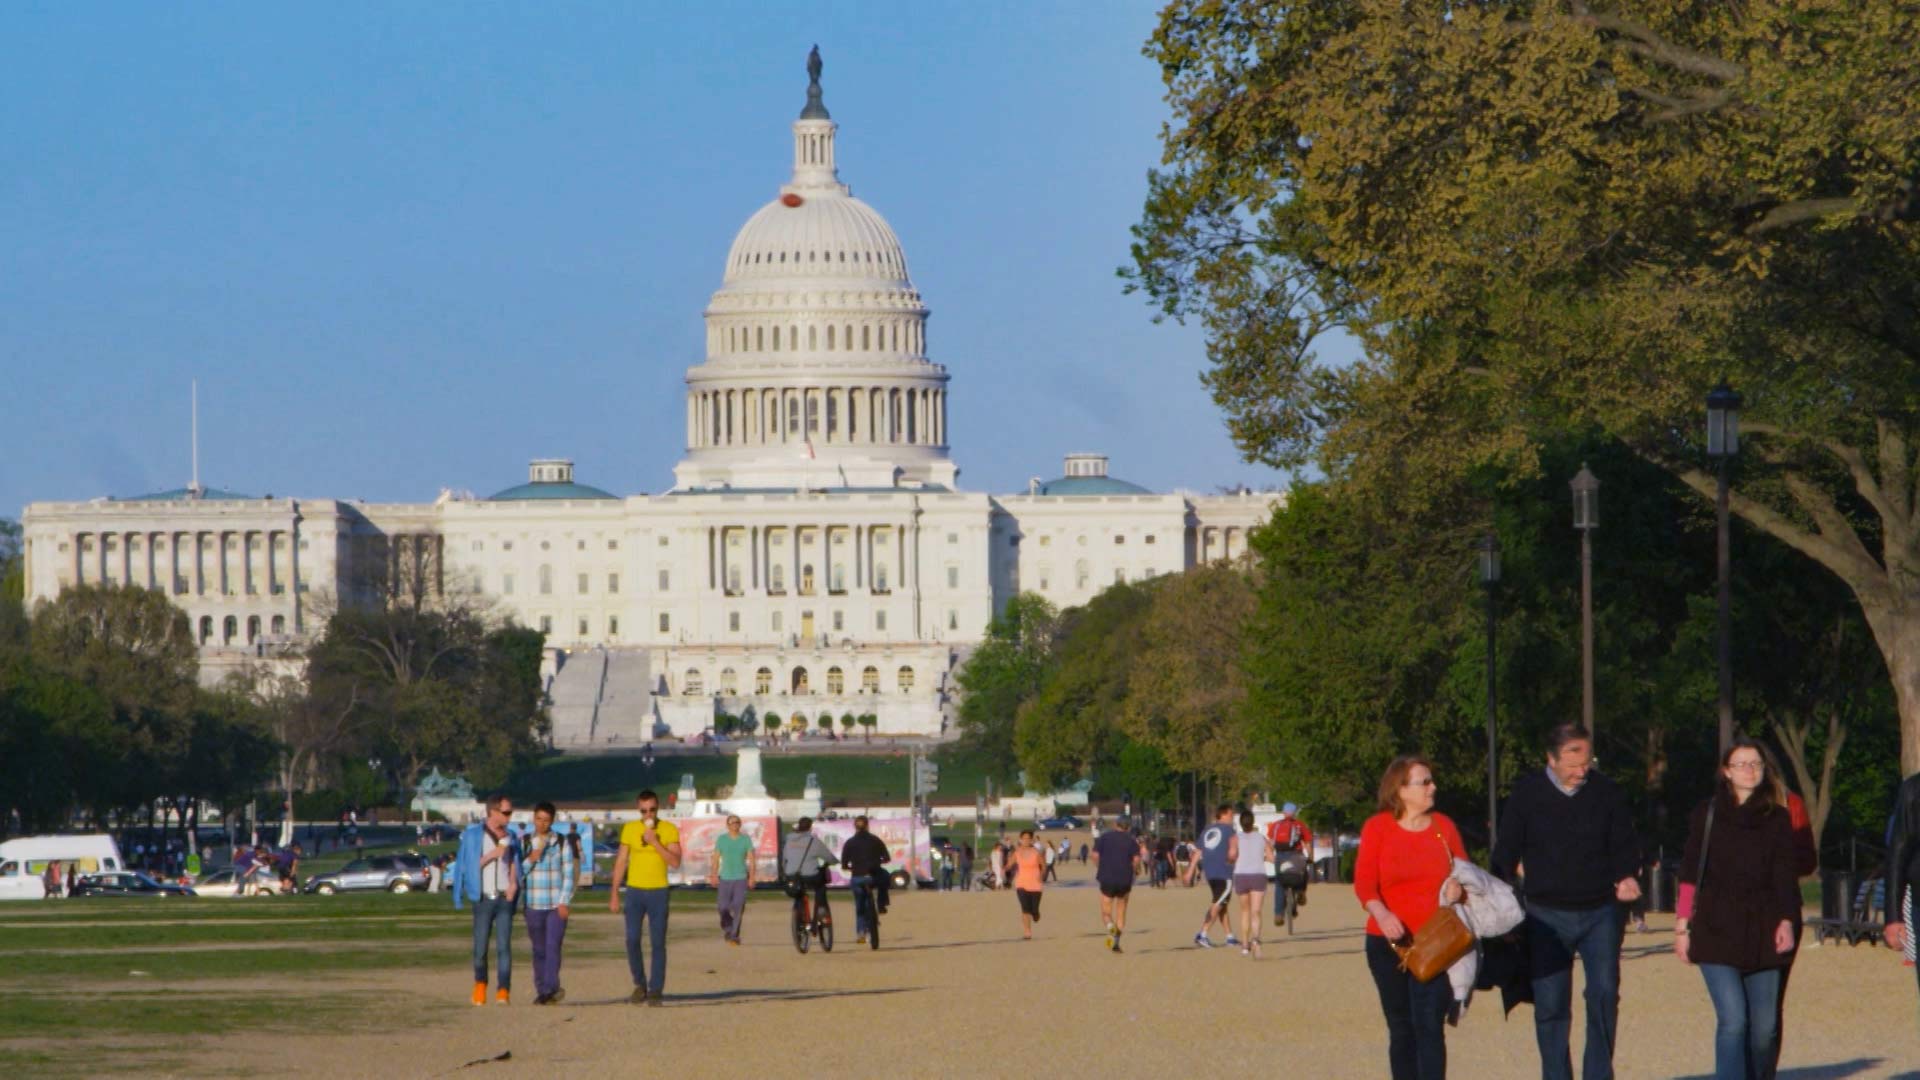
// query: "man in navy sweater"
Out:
[1567,842]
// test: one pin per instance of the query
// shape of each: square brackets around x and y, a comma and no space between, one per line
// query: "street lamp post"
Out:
[1723,442]
[1489,548]
[1586,518]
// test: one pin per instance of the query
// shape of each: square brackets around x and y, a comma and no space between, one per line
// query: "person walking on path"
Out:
[1029,877]
[966,866]
[1046,856]
[864,856]
[730,872]
[649,847]
[1402,873]
[486,872]
[550,868]
[1116,863]
[1903,864]
[1249,852]
[1215,865]
[1567,843]
[1738,897]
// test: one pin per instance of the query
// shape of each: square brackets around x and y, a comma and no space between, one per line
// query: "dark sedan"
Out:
[127,883]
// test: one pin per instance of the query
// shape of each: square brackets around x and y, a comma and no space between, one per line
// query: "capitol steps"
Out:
[575,695]
[626,703]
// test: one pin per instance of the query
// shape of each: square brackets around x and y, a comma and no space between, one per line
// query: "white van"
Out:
[22,861]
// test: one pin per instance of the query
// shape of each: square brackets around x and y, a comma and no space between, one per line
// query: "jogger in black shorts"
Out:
[1116,858]
[1213,863]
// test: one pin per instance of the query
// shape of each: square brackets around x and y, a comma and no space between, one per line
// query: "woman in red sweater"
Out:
[1403,872]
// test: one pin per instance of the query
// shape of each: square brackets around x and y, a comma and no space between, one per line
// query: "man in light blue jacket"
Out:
[486,872]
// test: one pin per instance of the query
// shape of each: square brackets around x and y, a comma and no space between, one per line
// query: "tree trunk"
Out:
[1896,628]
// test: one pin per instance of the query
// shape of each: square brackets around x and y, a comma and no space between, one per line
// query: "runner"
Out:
[1289,834]
[1249,854]
[1029,877]
[1218,871]
[649,847]
[1116,862]
[731,874]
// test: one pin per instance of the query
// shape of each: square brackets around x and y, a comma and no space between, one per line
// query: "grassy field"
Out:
[844,778]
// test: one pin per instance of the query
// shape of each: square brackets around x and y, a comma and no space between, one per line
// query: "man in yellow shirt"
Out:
[649,848]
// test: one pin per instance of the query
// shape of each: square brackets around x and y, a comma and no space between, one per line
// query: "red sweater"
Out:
[1404,869]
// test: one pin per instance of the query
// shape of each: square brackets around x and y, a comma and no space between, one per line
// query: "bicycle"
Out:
[867,909]
[807,924]
[1290,877]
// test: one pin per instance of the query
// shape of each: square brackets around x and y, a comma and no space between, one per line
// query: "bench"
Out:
[1865,921]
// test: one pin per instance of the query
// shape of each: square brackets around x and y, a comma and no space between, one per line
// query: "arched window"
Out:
[829,338]
[836,682]
[870,680]
[206,629]
[229,629]
[800,681]
[813,415]
[279,624]
[693,684]
[793,337]
[1080,574]
[866,337]
[905,678]
[763,681]
[760,337]
[776,339]
[813,337]
[729,682]
[806,579]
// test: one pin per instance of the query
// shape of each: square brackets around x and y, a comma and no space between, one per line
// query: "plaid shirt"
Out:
[548,878]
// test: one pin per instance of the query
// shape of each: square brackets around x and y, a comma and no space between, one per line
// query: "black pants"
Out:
[1416,1015]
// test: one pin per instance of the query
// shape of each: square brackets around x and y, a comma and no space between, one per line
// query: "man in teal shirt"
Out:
[730,872]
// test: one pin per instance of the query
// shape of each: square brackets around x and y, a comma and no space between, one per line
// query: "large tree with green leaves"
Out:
[1531,215]
[1004,671]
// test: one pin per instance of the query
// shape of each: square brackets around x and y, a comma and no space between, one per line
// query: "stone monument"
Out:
[749,798]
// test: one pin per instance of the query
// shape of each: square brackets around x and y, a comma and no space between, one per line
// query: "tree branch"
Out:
[1849,564]
[1886,503]
[1800,210]
[1642,41]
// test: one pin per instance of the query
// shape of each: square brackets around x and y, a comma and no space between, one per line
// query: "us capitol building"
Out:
[814,557]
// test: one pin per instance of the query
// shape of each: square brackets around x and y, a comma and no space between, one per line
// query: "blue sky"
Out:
[410,246]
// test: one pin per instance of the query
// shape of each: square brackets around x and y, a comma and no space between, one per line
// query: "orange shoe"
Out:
[500,996]
[479,993]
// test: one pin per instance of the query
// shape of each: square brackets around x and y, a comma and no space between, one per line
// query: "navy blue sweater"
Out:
[1573,847]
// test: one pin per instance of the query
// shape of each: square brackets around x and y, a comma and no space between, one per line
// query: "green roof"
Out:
[549,489]
[183,494]
[1091,485]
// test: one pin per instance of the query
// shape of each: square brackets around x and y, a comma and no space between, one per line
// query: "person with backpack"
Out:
[1739,897]
[1290,836]
[549,868]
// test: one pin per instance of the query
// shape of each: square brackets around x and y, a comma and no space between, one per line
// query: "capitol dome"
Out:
[816,372]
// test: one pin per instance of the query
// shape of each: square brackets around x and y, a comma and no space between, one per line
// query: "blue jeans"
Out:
[647,906]
[1416,1015]
[493,919]
[1555,937]
[862,887]
[1746,1010]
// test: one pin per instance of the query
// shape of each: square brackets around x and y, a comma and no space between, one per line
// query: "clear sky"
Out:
[411,246]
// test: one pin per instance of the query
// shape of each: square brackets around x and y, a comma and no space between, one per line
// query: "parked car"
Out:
[392,873]
[1066,821]
[221,882]
[127,883]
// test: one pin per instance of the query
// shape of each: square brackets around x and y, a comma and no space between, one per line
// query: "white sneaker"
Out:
[1232,941]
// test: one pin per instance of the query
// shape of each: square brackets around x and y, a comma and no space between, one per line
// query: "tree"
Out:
[129,643]
[1532,214]
[1069,727]
[867,721]
[846,724]
[772,722]
[825,723]
[1001,674]
[1185,686]
[13,588]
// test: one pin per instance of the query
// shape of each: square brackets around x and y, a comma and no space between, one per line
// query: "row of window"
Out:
[798,681]
[1118,540]
[776,623]
[230,628]
[547,545]
[1082,577]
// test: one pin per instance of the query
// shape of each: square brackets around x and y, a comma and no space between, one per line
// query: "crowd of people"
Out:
[1562,880]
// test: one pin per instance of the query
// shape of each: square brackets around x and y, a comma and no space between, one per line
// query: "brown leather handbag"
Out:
[1440,943]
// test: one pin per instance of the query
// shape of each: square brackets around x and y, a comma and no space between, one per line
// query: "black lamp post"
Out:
[1723,441]
[1586,518]
[1489,548]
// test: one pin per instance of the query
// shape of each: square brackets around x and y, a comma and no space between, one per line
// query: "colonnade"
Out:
[807,560]
[225,562]
[823,415]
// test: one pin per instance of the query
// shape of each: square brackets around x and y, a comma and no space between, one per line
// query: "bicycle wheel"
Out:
[1293,908]
[800,929]
[873,923]
[826,930]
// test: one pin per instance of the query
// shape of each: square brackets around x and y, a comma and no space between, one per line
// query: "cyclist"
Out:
[864,855]
[1290,836]
[804,860]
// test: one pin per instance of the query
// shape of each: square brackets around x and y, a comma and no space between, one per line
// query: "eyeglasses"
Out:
[1428,782]
[1747,766]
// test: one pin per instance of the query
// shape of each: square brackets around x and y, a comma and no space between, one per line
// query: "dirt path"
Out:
[953,978]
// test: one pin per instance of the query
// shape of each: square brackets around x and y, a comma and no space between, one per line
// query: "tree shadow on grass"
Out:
[1838,1070]
[743,995]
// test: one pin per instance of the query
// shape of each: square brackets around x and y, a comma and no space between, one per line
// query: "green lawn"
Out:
[844,778]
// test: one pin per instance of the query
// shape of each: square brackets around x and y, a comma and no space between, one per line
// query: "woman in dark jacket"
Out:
[1739,896]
